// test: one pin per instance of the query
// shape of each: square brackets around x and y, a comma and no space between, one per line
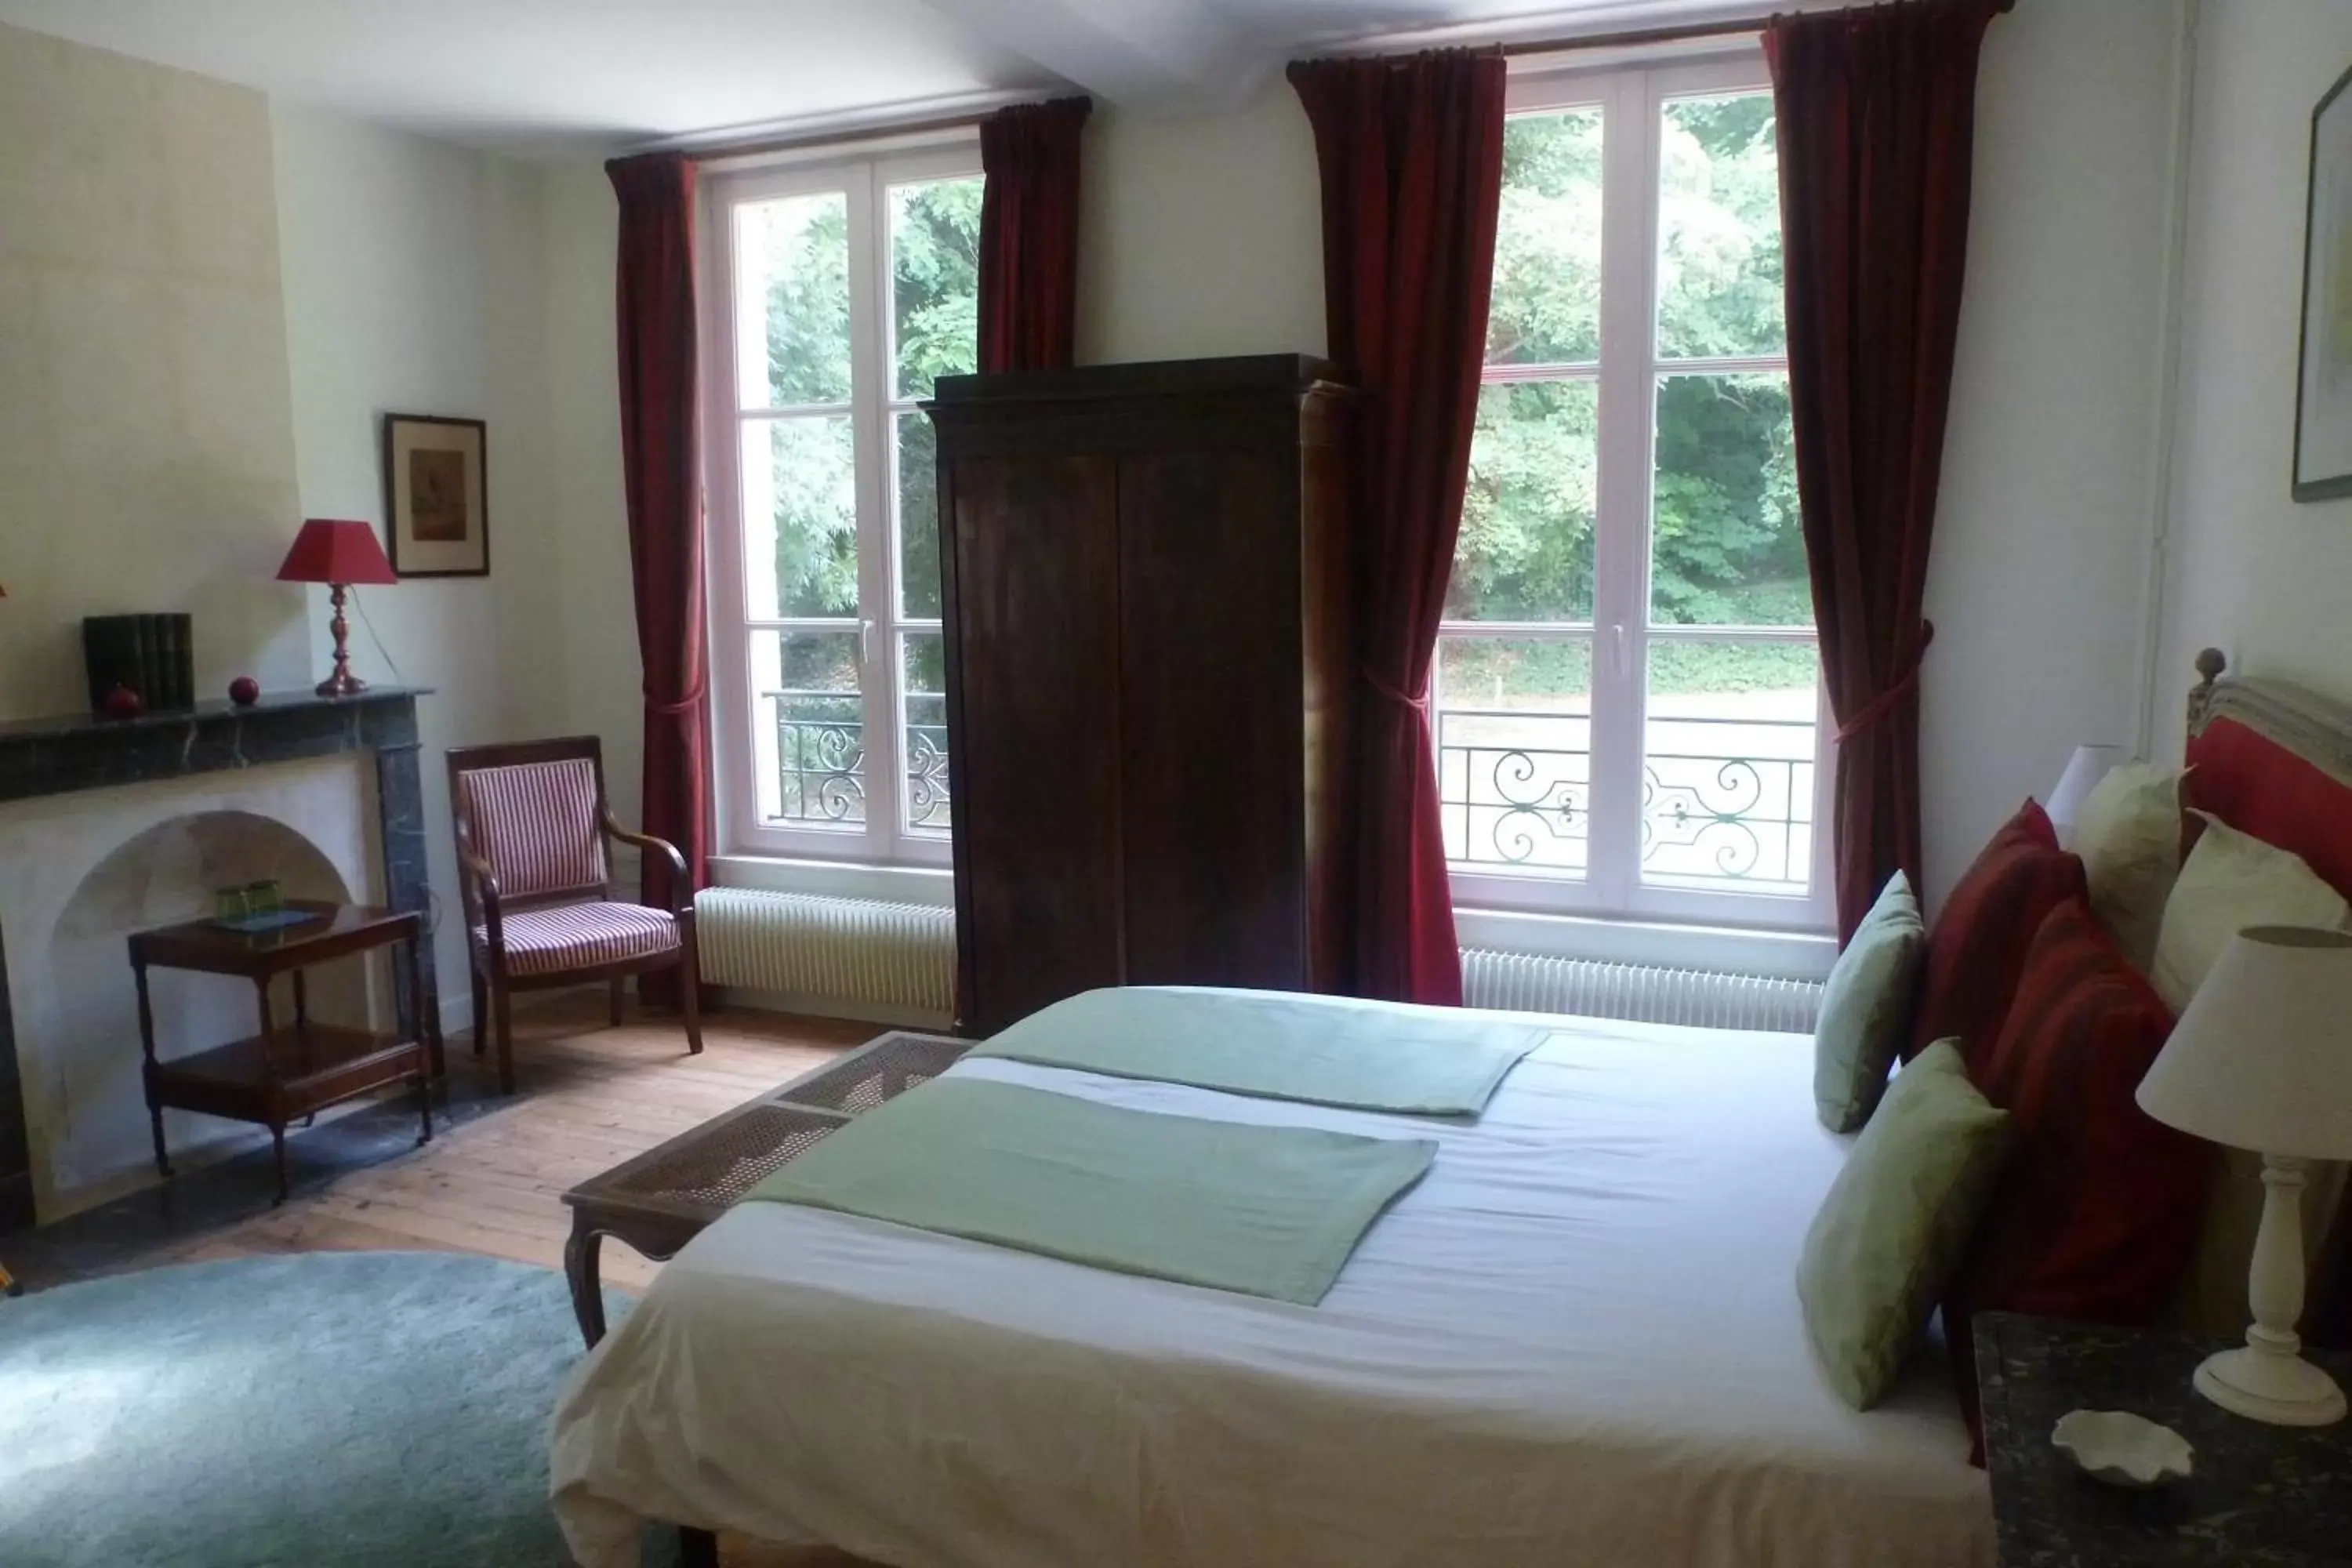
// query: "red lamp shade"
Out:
[332,551]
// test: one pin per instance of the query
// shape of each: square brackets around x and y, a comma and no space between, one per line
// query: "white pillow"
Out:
[2232,880]
[2128,831]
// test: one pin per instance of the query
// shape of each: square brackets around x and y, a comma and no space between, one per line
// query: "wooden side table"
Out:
[283,1073]
[664,1197]
[2279,1496]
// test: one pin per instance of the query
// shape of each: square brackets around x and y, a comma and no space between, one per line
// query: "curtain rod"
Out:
[804,140]
[1635,37]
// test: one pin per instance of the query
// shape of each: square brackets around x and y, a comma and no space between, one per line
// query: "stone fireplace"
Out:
[110,826]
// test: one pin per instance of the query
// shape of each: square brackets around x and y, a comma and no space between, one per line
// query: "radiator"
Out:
[1526,982]
[863,956]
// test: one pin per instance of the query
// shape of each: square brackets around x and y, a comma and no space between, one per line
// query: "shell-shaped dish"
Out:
[2123,1449]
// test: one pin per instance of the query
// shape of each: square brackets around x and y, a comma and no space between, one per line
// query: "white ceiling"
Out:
[555,76]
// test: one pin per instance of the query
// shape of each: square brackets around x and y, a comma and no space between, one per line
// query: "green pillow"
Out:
[1896,1222]
[1867,1008]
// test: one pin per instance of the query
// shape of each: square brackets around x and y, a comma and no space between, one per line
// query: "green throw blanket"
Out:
[1266,1211]
[1324,1050]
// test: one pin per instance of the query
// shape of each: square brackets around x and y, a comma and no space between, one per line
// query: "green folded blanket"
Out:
[1265,1211]
[1324,1050]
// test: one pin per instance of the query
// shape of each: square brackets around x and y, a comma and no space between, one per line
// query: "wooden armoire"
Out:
[1148,643]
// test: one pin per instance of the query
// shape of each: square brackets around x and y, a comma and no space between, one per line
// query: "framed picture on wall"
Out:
[436,495]
[2323,415]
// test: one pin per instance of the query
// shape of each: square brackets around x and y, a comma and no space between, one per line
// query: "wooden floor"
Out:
[590,1096]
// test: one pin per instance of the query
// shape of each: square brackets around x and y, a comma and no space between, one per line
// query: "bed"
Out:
[1576,1343]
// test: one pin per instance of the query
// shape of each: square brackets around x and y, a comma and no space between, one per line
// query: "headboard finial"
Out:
[2210,663]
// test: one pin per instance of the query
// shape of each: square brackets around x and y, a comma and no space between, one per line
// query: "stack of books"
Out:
[151,655]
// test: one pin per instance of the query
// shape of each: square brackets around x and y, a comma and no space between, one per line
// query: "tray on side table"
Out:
[661,1199]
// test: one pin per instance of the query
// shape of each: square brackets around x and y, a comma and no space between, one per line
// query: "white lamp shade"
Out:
[2262,1058]
[2086,768]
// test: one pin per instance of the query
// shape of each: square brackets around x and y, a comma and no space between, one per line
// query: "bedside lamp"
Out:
[2261,1059]
[337,553]
[2086,768]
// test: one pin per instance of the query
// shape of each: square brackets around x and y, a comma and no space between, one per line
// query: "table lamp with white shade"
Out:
[2261,1059]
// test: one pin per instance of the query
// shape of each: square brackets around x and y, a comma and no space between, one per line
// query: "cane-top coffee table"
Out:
[664,1198]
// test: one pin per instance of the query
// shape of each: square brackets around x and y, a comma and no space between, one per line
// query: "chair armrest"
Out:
[682,892]
[485,885]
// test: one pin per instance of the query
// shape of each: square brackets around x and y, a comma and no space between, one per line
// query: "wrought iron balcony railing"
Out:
[1724,801]
[821,769]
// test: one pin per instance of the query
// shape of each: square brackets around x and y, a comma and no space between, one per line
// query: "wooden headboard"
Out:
[2275,761]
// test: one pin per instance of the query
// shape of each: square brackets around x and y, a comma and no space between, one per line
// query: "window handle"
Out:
[865,642]
[1617,656]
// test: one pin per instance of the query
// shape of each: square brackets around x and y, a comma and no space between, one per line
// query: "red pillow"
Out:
[1978,947]
[2099,1205]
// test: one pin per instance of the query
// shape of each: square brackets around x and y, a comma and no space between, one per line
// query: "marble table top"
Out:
[2262,1497]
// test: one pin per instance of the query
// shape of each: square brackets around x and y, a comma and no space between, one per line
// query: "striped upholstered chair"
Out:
[531,824]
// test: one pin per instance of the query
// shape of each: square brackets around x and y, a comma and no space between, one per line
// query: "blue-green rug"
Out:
[368,1409]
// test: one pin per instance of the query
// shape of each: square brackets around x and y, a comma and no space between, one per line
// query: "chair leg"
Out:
[616,998]
[481,1013]
[689,992]
[499,1005]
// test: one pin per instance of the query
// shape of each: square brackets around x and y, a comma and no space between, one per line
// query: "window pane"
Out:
[1525,553]
[1728,766]
[1718,229]
[799,517]
[792,301]
[1515,751]
[919,517]
[808,728]
[1726,547]
[1547,304]
[923,673]
[934,282]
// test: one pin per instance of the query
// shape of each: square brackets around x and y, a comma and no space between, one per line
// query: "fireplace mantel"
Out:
[84,752]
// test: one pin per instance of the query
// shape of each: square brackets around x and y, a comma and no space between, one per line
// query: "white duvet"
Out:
[1576,1344]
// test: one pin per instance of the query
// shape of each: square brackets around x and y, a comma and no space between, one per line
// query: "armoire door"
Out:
[1036,618]
[1210,723]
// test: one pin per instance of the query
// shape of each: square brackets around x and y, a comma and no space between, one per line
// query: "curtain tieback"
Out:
[1387,689]
[685,704]
[1879,707]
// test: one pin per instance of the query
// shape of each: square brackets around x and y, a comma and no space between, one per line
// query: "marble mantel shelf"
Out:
[87,751]
[79,751]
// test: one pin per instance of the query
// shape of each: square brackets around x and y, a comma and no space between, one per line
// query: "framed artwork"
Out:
[2323,407]
[436,495]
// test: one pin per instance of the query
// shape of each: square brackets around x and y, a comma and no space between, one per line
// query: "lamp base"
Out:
[2265,1386]
[343,683]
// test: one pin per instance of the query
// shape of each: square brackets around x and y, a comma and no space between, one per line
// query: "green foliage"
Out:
[1726,548]
[802,244]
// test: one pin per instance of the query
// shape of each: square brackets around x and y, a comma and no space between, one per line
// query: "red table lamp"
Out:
[337,553]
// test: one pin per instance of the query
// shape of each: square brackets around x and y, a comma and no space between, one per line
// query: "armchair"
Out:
[531,824]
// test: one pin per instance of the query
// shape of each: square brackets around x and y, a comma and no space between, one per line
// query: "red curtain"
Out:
[1411,157]
[659,452]
[1029,235]
[1877,112]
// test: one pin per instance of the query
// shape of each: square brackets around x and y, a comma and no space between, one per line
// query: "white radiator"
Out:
[1524,982]
[854,957]
[863,958]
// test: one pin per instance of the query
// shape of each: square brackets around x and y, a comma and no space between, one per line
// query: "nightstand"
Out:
[2278,1496]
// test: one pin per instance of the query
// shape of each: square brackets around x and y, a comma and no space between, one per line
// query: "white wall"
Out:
[146,447]
[2248,570]
[2037,577]
[1200,237]
[412,283]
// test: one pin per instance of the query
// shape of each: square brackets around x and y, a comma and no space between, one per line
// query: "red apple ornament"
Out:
[124,703]
[245,691]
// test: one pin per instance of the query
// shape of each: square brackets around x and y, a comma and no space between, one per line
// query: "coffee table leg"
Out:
[277,1152]
[582,1259]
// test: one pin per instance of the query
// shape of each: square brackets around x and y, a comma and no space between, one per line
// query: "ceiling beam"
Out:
[1157,56]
